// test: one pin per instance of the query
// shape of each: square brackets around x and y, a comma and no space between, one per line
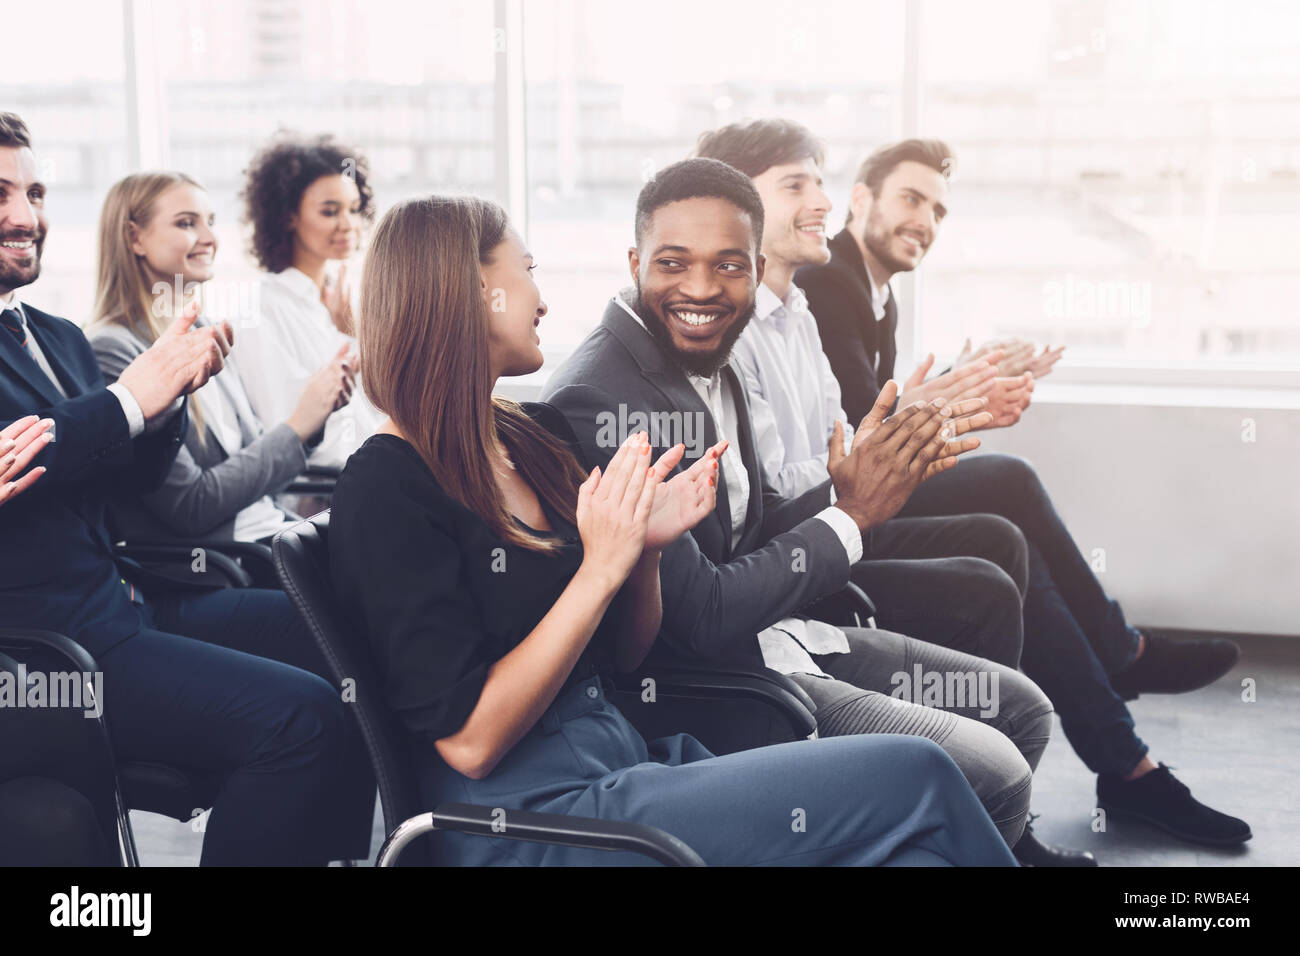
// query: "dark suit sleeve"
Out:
[781,513]
[92,442]
[837,309]
[713,611]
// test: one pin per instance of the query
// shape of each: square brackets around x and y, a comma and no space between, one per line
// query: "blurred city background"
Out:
[1128,170]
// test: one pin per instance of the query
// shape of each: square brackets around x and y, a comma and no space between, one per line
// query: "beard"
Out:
[14,276]
[704,364]
[876,240]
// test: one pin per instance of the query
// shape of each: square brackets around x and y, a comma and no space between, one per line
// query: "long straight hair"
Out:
[123,287]
[424,360]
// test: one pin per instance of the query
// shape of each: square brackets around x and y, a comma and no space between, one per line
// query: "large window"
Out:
[69,86]
[408,84]
[615,92]
[1128,177]
[1128,170]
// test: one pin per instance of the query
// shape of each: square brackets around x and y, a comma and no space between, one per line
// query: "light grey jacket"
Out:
[206,488]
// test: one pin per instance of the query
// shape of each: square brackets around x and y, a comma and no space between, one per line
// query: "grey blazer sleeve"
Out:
[714,611]
[204,489]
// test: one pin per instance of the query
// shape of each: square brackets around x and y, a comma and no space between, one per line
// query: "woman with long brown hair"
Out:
[495,581]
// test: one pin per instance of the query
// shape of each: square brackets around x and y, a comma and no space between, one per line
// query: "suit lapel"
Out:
[748,452]
[885,340]
[678,394]
[54,354]
[25,367]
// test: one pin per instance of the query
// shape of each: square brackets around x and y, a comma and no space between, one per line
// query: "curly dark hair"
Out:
[277,177]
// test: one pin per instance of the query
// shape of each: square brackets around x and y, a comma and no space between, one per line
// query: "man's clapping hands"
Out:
[178,363]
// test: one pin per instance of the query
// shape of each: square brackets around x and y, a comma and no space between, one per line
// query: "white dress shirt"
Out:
[879,297]
[224,405]
[788,644]
[794,398]
[130,407]
[291,340]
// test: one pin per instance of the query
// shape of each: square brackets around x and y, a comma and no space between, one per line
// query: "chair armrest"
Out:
[139,553]
[25,637]
[309,486]
[766,685]
[555,828]
[315,480]
[849,607]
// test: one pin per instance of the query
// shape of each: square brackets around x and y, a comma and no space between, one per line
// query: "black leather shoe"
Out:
[1160,799]
[1175,667]
[1030,852]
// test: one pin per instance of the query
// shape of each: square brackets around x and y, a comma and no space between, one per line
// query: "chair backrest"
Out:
[55,740]
[302,561]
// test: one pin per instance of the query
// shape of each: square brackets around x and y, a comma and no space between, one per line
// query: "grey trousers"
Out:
[992,720]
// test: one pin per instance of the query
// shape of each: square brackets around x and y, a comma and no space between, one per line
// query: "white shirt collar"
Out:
[879,296]
[12,302]
[299,283]
[767,303]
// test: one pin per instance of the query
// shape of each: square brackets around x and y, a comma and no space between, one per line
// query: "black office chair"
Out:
[302,557]
[60,742]
[154,564]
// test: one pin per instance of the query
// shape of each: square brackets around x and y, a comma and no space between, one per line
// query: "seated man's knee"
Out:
[998,773]
[314,721]
[997,602]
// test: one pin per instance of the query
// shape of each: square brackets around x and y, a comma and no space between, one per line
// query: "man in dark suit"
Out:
[1077,644]
[276,733]
[733,588]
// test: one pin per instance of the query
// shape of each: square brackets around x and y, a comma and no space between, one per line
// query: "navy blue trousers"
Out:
[866,800]
[239,695]
[1075,636]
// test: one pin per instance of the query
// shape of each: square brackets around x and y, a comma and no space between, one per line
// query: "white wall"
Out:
[1201,529]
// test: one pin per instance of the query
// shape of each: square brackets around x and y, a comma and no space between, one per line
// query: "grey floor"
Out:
[1239,757]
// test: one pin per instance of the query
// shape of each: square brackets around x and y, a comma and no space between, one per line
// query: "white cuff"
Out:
[130,408]
[846,529]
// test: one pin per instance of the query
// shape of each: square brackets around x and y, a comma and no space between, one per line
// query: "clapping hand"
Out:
[20,442]
[682,502]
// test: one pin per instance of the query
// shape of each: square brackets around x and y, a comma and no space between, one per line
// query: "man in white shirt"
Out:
[734,587]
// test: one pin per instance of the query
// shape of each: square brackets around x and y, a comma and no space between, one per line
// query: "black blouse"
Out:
[439,596]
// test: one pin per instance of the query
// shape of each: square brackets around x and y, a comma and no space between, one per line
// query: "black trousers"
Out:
[955,581]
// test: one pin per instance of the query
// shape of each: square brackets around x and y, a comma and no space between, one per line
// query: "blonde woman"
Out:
[496,581]
[155,237]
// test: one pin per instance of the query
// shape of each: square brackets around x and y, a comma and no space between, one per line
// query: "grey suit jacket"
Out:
[206,488]
[716,599]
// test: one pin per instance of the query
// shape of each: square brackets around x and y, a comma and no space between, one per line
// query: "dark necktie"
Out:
[13,324]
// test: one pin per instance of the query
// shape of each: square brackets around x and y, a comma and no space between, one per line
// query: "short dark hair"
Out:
[699,179]
[14,132]
[277,177]
[875,169]
[756,147]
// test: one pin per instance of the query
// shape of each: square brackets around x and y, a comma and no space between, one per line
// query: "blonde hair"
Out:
[424,360]
[123,287]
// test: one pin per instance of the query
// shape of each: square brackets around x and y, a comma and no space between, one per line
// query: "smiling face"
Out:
[696,274]
[22,218]
[178,238]
[327,224]
[515,308]
[898,227]
[794,213]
